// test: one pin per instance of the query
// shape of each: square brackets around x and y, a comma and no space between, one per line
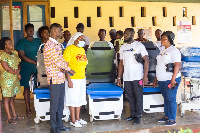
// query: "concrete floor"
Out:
[148,121]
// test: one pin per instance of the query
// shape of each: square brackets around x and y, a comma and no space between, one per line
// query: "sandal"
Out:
[18,118]
[28,113]
[11,121]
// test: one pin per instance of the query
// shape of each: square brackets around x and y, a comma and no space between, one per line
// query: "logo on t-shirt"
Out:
[129,50]
[80,57]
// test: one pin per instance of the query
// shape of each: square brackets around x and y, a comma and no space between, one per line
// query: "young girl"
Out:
[9,78]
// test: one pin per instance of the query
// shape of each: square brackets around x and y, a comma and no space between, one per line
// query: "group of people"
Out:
[135,73]
[66,71]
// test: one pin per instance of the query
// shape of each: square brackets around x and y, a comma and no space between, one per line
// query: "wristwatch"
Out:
[118,78]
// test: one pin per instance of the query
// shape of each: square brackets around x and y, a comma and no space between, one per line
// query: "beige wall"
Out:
[65,8]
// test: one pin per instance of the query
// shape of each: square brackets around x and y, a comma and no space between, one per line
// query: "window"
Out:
[154,23]
[65,22]
[193,20]
[121,11]
[184,11]
[52,12]
[133,21]
[143,11]
[111,21]
[76,12]
[174,21]
[98,11]
[164,11]
[88,21]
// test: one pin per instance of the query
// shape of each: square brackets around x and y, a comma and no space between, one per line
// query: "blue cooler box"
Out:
[105,101]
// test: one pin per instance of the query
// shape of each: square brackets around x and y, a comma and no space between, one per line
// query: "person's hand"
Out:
[154,83]
[19,76]
[62,70]
[35,63]
[17,71]
[70,84]
[173,81]
[145,80]
[71,72]
[116,67]
[119,83]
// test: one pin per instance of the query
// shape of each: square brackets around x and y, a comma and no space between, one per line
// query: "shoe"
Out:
[170,123]
[29,113]
[76,124]
[11,121]
[164,119]
[136,121]
[54,131]
[81,121]
[63,128]
[130,118]
[18,118]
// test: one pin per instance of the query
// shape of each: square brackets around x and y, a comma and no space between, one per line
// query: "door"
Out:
[36,13]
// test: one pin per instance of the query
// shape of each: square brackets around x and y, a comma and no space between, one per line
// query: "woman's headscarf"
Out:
[73,38]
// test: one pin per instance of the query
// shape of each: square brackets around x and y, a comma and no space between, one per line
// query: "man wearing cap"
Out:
[112,34]
[80,28]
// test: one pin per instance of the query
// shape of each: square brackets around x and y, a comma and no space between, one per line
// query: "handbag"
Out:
[170,67]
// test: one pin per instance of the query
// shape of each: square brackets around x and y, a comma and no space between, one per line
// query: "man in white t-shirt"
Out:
[158,34]
[134,76]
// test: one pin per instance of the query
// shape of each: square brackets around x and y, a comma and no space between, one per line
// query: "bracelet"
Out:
[118,78]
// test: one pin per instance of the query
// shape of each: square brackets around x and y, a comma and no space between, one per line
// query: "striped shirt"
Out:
[54,62]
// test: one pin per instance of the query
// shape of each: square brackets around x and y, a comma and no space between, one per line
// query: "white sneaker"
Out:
[76,124]
[81,121]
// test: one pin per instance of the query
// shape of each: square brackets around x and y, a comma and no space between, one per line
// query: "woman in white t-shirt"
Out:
[168,76]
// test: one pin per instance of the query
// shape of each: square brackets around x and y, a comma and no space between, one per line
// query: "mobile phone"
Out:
[172,87]
[169,86]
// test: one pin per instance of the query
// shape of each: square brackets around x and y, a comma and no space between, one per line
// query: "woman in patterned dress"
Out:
[10,78]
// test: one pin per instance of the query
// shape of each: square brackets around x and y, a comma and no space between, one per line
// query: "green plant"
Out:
[183,131]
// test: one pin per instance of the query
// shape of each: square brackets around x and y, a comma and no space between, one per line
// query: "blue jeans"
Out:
[170,105]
